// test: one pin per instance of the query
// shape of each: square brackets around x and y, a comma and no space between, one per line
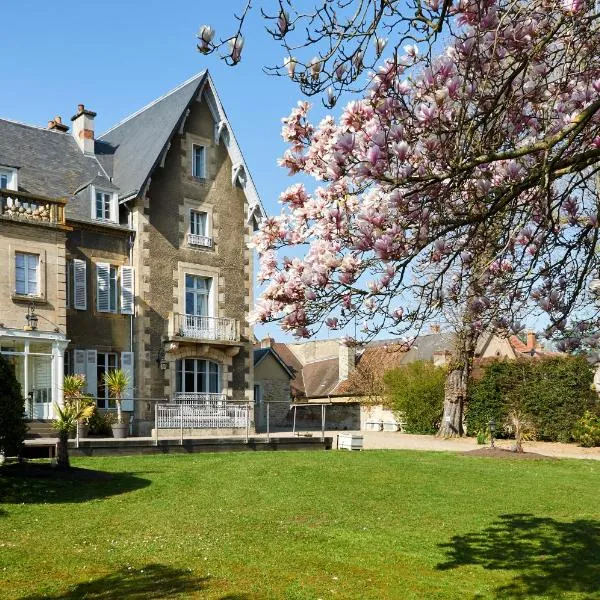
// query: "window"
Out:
[103,202]
[106,361]
[106,288]
[197,294]
[198,162]
[198,223]
[197,376]
[8,178]
[198,235]
[258,395]
[27,274]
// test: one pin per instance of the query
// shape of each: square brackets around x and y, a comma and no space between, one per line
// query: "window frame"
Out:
[196,371]
[112,205]
[105,398]
[202,175]
[113,289]
[11,178]
[38,282]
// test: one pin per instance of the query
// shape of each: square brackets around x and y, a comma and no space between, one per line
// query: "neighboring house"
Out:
[350,377]
[272,378]
[135,254]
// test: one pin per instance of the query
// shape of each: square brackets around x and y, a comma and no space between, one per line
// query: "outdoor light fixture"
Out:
[492,426]
[161,360]
[32,318]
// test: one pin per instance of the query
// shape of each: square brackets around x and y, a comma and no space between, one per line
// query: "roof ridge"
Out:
[38,127]
[154,102]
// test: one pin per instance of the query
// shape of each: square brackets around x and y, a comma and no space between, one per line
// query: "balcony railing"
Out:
[195,239]
[205,415]
[198,397]
[206,328]
[22,206]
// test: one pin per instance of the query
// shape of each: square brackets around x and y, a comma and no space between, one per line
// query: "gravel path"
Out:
[384,440]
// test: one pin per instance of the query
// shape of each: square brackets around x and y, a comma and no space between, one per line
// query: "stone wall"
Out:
[49,243]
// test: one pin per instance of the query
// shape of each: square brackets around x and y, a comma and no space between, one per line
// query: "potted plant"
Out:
[73,386]
[65,422]
[117,382]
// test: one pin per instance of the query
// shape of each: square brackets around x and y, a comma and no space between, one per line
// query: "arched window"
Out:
[195,375]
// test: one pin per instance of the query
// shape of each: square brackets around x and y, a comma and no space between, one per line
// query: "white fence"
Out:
[198,398]
[207,328]
[202,415]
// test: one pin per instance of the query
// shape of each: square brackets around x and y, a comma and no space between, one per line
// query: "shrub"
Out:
[587,430]
[101,423]
[12,411]
[416,391]
[551,394]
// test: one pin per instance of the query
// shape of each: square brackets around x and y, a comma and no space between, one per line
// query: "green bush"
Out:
[553,393]
[587,430]
[12,411]
[416,391]
[100,423]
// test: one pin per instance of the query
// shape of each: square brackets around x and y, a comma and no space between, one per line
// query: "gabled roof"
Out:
[261,353]
[139,142]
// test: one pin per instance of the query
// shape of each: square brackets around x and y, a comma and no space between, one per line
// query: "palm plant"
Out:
[117,382]
[65,422]
[73,386]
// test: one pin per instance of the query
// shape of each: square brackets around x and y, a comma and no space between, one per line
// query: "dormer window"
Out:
[8,178]
[104,206]
[199,161]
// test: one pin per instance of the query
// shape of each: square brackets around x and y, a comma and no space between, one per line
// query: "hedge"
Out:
[12,411]
[416,392]
[554,393]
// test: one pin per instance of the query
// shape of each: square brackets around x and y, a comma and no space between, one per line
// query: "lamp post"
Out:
[492,426]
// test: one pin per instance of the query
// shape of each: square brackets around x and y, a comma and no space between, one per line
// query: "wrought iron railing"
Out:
[22,206]
[195,239]
[198,397]
[205,415]
[206,328]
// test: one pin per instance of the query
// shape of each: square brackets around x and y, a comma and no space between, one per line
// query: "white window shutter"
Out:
[79,284]
[103,287]
[127,290]
[127,368]
[91,375]
[79,362]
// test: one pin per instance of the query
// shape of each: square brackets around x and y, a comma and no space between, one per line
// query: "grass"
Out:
[296,526]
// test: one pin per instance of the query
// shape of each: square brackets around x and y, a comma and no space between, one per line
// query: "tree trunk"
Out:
[456,387]
[62,451]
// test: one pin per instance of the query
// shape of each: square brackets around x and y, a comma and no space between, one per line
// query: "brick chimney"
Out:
[83,129]
[267,342]
[57,125]
[531,341]
[347,360]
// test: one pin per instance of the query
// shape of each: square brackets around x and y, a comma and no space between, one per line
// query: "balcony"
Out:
[24,207]
[202,241]
[210,330]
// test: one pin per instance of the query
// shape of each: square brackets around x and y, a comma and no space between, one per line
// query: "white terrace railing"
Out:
[198,398]
[207,328]
[195,239]
[203,415]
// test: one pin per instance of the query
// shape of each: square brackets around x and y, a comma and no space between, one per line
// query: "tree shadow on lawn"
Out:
[550,557]
[148,583]
[39,483]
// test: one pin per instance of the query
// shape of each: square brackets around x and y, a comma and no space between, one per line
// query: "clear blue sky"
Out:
[115,56]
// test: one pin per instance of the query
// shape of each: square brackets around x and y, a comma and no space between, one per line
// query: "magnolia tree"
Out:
[462,185]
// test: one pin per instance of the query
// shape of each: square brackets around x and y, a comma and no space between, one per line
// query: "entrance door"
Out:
[40,385]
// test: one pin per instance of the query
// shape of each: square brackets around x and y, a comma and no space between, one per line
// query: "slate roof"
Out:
[138,141]
[50,164]
[425,346]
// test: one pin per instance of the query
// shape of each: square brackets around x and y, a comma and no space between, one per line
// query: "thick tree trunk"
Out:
[456,387]
[62,451]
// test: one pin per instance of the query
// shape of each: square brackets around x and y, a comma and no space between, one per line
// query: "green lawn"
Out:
[304,525]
